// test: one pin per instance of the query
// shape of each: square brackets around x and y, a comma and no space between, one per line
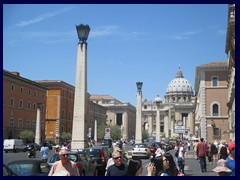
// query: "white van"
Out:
[13,145]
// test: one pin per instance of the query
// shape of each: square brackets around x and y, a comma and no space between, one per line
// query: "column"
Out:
[95,130]
[138,131]
[79,134]
[38,125]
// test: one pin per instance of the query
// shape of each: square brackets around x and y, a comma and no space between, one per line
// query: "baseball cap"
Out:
[231,145]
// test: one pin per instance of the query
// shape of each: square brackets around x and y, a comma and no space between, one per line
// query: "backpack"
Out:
[223,152]
[214,149]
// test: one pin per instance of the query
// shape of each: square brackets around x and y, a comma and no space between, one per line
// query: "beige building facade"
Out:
[176,110]
[118,113]
[230,50]
[211,89]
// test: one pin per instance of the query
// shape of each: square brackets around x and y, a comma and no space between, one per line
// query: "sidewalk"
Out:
[192,167]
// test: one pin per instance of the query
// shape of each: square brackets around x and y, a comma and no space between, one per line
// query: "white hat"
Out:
[222,166]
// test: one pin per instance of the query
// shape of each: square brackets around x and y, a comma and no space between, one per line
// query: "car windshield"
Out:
[55,158]
[21,168]
[140,145]
[94,153]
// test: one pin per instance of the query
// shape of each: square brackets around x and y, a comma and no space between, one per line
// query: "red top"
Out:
[202,148]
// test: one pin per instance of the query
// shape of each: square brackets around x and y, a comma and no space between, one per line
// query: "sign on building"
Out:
[179,129]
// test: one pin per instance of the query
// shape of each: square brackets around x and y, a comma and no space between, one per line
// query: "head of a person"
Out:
[201,139]
[134,167]
[231,148]
[63,155]
[117,158]
[222,168]
[158,163]
[44,144]
[169,164]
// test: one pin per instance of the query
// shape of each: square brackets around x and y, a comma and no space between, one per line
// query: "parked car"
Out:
[141,151]
[29,167]
[85,164]
[7,171]
[14,145]
[100,154]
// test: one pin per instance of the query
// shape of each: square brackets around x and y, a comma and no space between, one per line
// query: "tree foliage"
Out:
[27,135]
[115,131]
[66,135]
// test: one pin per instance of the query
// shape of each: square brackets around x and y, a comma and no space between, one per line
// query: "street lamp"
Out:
[139,86]
[79,139]
[83,32]
[138,131]
[158,101]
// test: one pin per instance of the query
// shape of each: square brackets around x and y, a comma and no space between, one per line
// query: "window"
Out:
[33,124]
[145,106]
[12,87]
[12,102]
[35,93]
[215,110]
[11,122]
[21,103]
[29,105]
[28,124]
[29,92]
[20,123]
[63,114]
[214,81]
[21,89]
[216,131]
[34,106]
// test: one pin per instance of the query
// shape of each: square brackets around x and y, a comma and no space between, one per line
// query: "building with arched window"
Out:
[211,89]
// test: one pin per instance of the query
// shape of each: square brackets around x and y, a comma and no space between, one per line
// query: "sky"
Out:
[127,43]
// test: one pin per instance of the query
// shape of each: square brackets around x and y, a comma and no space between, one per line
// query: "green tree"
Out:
[27,135]
[115,131]
[66,135]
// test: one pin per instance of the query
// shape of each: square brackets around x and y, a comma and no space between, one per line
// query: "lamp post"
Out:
[158,101]
[138,131]
[79,140]
[38,125]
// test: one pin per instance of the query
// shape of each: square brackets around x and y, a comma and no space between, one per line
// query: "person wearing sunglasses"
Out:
[64,167]
[118,168]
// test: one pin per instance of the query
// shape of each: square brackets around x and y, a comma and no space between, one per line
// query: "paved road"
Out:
[192,167]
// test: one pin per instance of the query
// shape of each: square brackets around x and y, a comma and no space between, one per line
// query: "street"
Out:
[192,167]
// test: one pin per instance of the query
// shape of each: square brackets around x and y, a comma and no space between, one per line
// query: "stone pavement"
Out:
[192,166]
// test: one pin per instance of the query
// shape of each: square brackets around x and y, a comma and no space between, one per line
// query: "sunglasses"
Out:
[119,157]
[65,155]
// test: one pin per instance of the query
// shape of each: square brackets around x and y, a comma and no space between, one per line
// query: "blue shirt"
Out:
[231,165]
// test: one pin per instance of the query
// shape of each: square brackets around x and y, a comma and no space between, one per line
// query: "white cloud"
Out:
[43,17]
[104,31]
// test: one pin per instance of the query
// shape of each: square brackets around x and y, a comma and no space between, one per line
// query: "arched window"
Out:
[215,110]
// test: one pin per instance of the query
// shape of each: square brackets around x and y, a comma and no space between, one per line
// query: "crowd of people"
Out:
[221,155]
